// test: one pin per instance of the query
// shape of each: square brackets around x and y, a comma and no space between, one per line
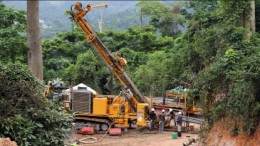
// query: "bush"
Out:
[26,116]
[234,130]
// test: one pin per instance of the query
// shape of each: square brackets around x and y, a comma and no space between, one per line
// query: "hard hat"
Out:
[179,113]
[163,110]
[170,109]
[152,109]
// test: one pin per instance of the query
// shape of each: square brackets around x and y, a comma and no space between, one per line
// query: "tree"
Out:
[251,25]
[257,12]
[247,15]
[89,70]
[168,19]
[34,39]
[144,39]
[134,43]
[26,116]
[61,51]
[220,58]
[134,59]
[154,77]
[12,38]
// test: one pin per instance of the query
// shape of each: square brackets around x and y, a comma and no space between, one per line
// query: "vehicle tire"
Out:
[104,127]
[97,127]
[88,124]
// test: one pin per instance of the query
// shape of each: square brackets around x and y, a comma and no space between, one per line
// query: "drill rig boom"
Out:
[114,63]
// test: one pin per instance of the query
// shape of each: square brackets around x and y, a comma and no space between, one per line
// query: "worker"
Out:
[129,92]
[152,118]
[162,120]
[172,116]
[179,123]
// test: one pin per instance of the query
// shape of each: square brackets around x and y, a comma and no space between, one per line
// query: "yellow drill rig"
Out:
[130,106]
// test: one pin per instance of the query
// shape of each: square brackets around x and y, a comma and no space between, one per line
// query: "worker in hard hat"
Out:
[172,116]
[161,122]
[179,123]
[152,119]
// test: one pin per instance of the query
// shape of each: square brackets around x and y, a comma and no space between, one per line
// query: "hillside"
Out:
[117,16]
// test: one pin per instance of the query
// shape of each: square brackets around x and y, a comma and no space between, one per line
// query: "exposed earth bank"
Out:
[220,135]
[7,142]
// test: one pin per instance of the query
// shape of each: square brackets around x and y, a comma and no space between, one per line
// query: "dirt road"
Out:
[134,138]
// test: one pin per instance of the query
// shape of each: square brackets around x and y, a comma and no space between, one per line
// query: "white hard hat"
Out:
[163,110]
[152,109]
[170,109]
[179,113]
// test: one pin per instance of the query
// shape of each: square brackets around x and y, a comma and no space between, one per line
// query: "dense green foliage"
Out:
[87,70]
[143,39]
[69,56]
[157,74]
[12,35]
[222,63]
[26,116]
[61,51]
[166,18]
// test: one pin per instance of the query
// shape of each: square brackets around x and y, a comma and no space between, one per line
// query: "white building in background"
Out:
[43,24]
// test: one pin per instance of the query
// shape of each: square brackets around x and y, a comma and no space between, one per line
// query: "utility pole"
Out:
[100,21]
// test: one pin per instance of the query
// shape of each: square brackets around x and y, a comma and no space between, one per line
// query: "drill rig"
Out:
[130,106]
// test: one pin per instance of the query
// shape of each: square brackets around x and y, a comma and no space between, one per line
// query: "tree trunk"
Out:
[257,16]
[141,18]
[250,20]
[34,39]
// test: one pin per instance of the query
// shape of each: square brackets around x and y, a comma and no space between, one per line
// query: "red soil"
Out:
[220,135]
[7,142]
